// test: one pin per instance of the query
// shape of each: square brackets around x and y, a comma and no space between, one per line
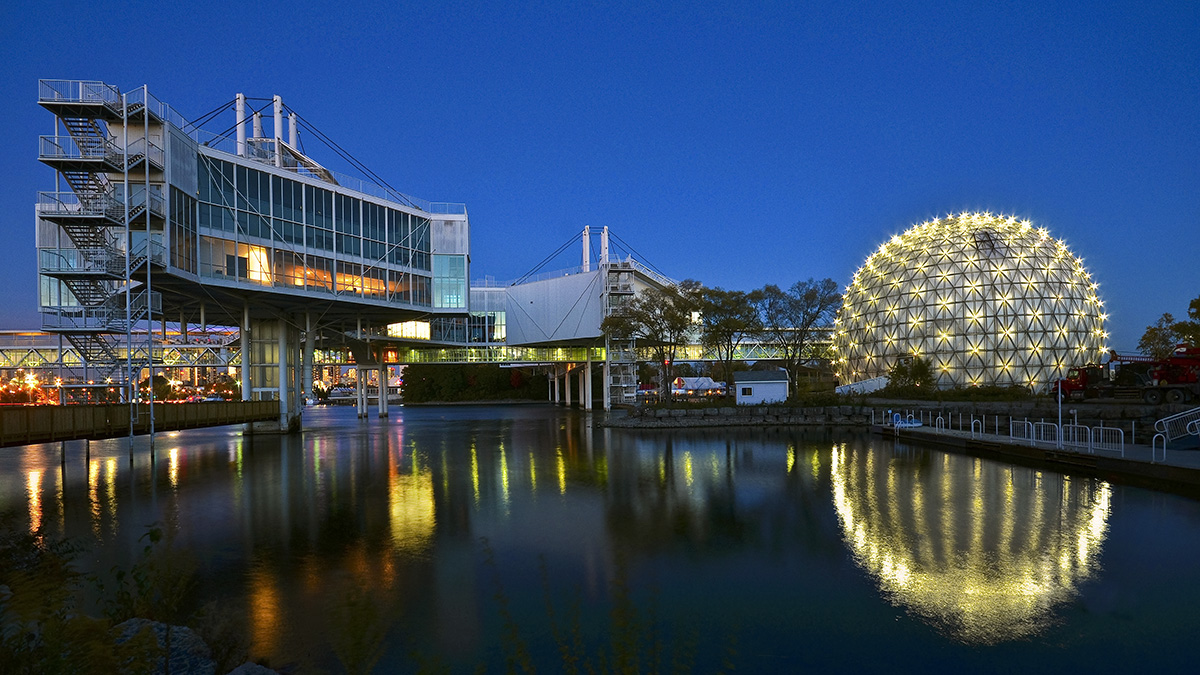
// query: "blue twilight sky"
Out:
[736,143]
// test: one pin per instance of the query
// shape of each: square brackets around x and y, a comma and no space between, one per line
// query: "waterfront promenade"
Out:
[1177,468]
[1004,437]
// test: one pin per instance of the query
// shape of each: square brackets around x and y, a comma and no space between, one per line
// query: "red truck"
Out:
[1175,379]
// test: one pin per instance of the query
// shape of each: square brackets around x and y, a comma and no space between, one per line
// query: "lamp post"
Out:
[1058,442]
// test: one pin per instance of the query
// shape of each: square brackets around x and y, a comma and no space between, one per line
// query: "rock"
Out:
[189,654]
[251,668]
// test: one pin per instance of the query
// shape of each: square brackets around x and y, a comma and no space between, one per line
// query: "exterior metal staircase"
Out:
[104,198]
[620,350]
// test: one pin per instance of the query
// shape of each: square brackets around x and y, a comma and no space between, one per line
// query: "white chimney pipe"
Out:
[241,124]
[278,130]
[293,131]
[587,250]
[604,246]
[257,124]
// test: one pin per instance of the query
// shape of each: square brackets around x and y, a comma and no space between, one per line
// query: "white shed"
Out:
[760,386]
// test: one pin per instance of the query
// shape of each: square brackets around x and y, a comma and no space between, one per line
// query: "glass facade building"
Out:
[254,226]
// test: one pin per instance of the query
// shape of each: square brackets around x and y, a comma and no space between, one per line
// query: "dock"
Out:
[1176,469]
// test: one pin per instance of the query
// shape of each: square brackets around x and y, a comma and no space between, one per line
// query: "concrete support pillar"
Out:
[360,392]
[285,387]
[310,346]
[296,357]
[567,382]
[607,382]
[383,387]
[246,351]
[586,384]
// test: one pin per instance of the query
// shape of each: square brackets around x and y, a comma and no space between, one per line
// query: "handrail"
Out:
[78,91]
[106,260]
[1154,447]
[1077,436]
[1039,429]
[1026,430]
[1109,438]
[1177,425]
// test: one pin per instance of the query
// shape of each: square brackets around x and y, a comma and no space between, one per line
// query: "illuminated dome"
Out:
[987,299]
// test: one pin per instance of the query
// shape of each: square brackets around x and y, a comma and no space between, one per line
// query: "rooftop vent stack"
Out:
[587,249]
[293,132]
[278,130]
[257,124]
[604,246]
[241,124]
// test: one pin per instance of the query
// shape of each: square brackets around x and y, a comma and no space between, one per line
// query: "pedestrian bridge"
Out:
[22,425]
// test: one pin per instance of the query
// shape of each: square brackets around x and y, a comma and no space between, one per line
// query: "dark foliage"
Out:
[471,382]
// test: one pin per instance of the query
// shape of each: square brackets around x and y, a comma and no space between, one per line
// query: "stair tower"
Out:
[620,356]
[99,237]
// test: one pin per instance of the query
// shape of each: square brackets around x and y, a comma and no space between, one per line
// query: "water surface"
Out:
[479,533]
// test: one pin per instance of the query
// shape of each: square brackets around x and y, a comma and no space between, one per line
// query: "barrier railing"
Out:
[1021,430]
[1077,436]
[1108,438]
[79,91]
[1177,425]
[1046,432]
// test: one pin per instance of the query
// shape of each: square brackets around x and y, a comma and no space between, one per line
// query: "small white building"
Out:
[760,386]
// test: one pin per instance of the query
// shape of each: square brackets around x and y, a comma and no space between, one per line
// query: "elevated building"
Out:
[162,221]
[156,221]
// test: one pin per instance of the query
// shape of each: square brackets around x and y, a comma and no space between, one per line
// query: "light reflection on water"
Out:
[987,559]
[801,540]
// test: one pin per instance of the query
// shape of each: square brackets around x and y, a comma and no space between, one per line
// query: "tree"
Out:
[660,319]
[1160,339]
[726,319]
[790,319]
[914,372]
[1189,331]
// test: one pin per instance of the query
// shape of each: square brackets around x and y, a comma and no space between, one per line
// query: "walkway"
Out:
[1179,471]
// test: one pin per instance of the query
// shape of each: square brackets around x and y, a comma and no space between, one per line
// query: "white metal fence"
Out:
[1071,436]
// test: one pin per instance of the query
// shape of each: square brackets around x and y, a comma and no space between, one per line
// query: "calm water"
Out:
[776,550]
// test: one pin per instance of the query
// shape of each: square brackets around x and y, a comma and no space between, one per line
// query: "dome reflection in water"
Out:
[983,551]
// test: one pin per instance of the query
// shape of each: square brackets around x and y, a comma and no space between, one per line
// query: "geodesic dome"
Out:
[987,299]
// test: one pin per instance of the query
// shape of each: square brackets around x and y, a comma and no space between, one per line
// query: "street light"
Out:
[1058,444]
